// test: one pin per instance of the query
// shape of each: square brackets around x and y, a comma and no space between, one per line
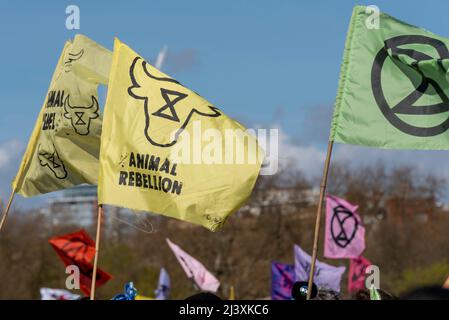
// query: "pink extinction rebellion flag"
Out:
[356,277]
[195,270]
[344,232]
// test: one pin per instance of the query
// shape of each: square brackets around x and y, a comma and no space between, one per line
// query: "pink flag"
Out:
[356,277]
[195,269]
[345,233]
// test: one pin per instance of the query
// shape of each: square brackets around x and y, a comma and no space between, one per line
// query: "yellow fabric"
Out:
[147,118]
[231,293]
[139,297]
[64,145]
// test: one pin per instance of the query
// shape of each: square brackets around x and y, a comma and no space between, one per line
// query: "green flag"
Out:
[393,89]
[374,294]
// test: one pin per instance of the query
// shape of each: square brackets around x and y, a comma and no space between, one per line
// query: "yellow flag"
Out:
[231,293]
[167,150]
[64,147]
[139,297]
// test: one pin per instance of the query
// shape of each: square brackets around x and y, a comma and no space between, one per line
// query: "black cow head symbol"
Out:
[51,160]
[169,108]
[72,57]
[81,116]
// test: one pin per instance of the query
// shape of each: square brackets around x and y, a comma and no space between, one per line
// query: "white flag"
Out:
[58,294]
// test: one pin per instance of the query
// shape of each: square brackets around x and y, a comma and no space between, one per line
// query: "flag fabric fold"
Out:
[194,269]
[282,279]
[163,287]
[344,230]
[79,249]
[356,276]
[163,148]
[325,276]
[393,88]
[57,294]
[64,146]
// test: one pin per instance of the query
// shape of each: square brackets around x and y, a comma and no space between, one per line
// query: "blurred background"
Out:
[267,64]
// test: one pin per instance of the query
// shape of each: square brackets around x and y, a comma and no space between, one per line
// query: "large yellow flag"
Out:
[64,147]
[166,150]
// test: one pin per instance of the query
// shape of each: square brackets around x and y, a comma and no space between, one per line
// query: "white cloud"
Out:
[310,158]
[9,152]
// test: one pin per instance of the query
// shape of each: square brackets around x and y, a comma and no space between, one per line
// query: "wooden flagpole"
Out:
[8,206]
[97,249]
[318,216]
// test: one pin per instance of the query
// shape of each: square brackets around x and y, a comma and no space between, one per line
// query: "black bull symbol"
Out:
[167,115]
[81,116]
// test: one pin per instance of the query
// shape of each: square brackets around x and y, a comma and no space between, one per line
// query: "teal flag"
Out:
[393,88]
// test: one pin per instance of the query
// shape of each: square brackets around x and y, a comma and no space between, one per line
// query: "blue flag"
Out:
[282,279]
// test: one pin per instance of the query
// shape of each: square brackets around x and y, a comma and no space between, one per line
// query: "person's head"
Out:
[203,296]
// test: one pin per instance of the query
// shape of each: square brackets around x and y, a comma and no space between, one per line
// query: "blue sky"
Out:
[271,63]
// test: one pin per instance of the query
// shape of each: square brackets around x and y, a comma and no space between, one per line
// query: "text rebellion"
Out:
[153,180]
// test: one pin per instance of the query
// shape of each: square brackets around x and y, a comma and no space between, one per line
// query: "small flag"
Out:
[64,147]
[374,294]
[344,231]
[130,293]
[57,294]
[163,287]
[325,276]
[195,270]
[356,277]
[166,150]
[393,89]
[282,279]
[231,293]
[79,249]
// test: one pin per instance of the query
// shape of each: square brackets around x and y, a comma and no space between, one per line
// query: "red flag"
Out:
[79,249]
[356,277]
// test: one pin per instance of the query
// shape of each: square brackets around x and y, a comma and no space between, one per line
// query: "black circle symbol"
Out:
[405,106]
[344,226]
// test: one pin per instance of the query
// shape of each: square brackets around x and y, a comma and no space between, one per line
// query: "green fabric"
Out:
[393,88]
[374,294]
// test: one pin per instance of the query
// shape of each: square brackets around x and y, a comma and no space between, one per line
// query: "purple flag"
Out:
[344,232]
[325,276]
[282,279]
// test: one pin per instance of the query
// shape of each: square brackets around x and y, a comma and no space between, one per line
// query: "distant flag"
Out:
[356,277]
[161,57]
[152,155]
[195,270]
[393,89]
[446,283]
[130,293]
[163,287]
[282,280]
[374,294]
[79,249]
[344,231]
[231,293]
[64,146]
[58,294]
[325,276]
[139,297]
